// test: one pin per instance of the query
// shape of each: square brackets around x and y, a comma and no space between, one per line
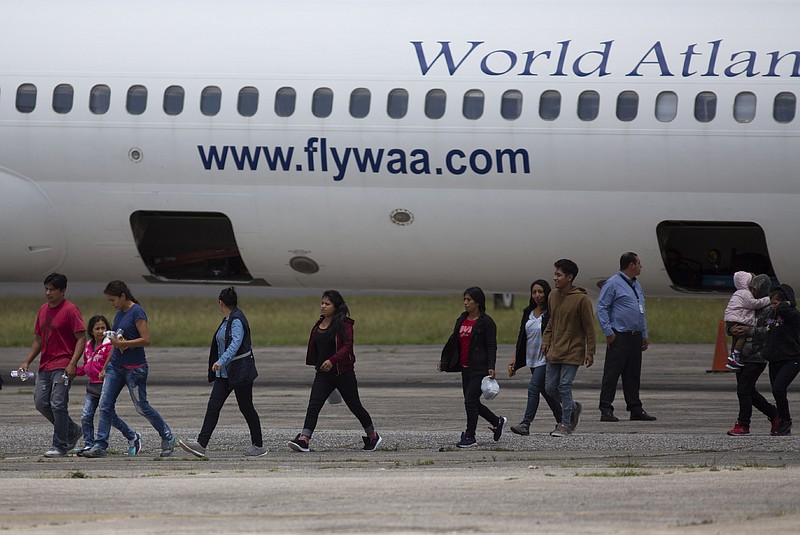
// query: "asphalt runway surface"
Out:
[679,474]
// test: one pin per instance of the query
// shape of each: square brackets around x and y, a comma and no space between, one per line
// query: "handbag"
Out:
[242,370]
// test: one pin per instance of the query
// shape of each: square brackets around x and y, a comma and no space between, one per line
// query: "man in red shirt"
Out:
[60,337]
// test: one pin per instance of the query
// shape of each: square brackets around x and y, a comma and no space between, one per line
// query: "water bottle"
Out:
[22,375]
[65,378]
[113,334]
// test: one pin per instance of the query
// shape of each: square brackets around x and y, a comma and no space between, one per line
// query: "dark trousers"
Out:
[472,402]
[244,398]
[749,397]
[781,375]
[347,385]
[623,359]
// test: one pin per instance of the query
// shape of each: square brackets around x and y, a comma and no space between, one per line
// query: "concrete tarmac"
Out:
[681,473]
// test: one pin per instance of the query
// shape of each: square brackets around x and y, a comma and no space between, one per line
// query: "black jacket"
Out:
[522,339]
[782,341]
[482,347]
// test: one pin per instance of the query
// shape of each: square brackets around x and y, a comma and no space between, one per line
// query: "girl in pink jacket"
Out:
[741,310]
[98,349]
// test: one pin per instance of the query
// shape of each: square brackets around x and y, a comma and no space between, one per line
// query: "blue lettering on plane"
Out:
[710,59]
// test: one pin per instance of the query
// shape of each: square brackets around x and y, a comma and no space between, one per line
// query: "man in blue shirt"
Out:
[620,309]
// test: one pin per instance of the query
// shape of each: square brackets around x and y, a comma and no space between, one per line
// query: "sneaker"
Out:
[194,447]
[167,447]
[739,430]
[734,362]
[298,444]
[498,429]
[774,422]
[135,445]
[784,429]
[561,430]
[95,453]
[467,441]
[521,429]
[251,451]
[554,430]
[371,444]
[53,453]
[576,415]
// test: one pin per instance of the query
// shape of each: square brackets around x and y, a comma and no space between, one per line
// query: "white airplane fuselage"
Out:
[415,202]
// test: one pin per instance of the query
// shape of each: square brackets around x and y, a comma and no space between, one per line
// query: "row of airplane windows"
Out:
[784,105]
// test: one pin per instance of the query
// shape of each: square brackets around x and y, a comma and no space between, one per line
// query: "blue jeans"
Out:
[90,404]
[536,387]
[118,377]
[558,384]
[51,398]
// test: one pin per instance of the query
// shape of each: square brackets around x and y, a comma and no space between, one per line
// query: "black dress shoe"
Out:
[642,417]
[608,417]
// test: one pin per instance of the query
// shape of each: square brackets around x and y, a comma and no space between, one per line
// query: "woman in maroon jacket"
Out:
[330,351]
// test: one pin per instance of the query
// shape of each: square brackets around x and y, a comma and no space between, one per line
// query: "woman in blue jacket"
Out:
[231,367]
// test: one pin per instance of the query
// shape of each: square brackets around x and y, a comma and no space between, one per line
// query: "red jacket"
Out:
[344,359]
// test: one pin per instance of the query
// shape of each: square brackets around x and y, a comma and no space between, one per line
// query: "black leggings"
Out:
[244,398]
[781,375]
[472,402]
[347,385]
[749,397]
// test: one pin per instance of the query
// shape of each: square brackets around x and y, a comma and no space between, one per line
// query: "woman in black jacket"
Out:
[782,351]
[529,353]
[472,350]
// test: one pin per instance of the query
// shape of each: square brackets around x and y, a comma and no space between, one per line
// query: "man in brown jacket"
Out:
[568,341]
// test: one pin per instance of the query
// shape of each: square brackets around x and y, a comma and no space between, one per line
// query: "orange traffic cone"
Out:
[720,351]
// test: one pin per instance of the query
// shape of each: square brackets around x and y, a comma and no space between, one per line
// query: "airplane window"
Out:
[511,105]
[322,102]
[744,107]
[26,98]
[359,103]
[588,105]
[248,101]
[472,107]
[285,99]
[63,96]
[137,100]
[705,107]
[785,107]
[435,103]
[210,100]
[99,99]
[173,100]
[550,105]
[666,106]
[627,106]
[397,103]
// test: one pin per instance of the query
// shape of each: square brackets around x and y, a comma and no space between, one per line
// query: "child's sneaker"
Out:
[135,445]
[739,430]
[734,361]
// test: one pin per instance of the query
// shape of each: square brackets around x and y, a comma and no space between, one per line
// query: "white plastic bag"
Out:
[490,388]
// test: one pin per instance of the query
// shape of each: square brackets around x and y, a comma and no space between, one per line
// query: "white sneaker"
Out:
[52,453]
